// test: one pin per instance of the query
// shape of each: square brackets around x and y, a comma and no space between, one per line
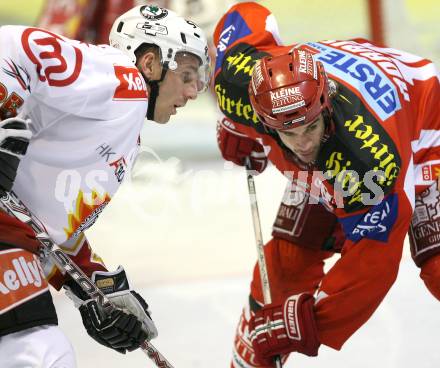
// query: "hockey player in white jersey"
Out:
[72,112]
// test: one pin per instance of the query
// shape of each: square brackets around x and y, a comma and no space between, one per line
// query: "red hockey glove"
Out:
[236,148]
[15,234]
[282,329]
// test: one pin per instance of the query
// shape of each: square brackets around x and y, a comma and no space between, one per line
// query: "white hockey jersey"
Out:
[87,105]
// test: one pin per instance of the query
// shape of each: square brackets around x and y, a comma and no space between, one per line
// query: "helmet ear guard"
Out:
[289,90]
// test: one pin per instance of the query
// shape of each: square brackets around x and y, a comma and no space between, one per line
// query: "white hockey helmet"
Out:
[170,32]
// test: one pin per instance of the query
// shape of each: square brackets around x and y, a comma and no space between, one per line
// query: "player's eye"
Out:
[187,77]
[289,134]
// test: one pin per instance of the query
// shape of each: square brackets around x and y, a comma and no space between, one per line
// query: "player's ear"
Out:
[149,64]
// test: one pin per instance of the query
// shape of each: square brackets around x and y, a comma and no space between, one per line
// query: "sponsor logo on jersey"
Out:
[380,154]
[372,142]
[362,74]
[231,85]
[339,168]
[225,37]
[360,159]
[427,208]
[293,209]
[234,28]
[153,12]
[57,62]
[431,171]
[131,86]
[105,151]
[381,57]
[234,108]
[342,172]
[120,167]
[241,63]
[425,229]
[376,224]
[21,278]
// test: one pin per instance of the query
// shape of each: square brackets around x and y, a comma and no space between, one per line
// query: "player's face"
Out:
[177,88]
[305,141]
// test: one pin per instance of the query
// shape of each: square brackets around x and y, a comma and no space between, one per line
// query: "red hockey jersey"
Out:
[386,141]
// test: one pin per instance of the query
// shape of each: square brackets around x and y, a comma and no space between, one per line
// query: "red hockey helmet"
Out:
[289,90]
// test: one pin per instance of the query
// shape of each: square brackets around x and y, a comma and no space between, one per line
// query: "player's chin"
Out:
[166,115]
[163,119]
[307,159]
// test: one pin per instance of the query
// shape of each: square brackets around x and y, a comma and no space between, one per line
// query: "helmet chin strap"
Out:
[154,92]
[329,125]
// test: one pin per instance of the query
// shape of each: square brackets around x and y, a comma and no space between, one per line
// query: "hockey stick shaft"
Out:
[17,209]
[260,245]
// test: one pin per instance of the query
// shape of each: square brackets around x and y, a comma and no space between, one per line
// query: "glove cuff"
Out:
[299,319]
[115,283]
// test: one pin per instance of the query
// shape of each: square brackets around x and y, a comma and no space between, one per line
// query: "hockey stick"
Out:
[260,245]
[17,209]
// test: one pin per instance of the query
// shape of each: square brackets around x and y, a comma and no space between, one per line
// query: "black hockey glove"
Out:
[128,326]
[14,140]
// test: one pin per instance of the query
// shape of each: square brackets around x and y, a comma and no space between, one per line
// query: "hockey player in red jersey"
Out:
[71,115]
[356,130]
[84,20]
[91,20]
